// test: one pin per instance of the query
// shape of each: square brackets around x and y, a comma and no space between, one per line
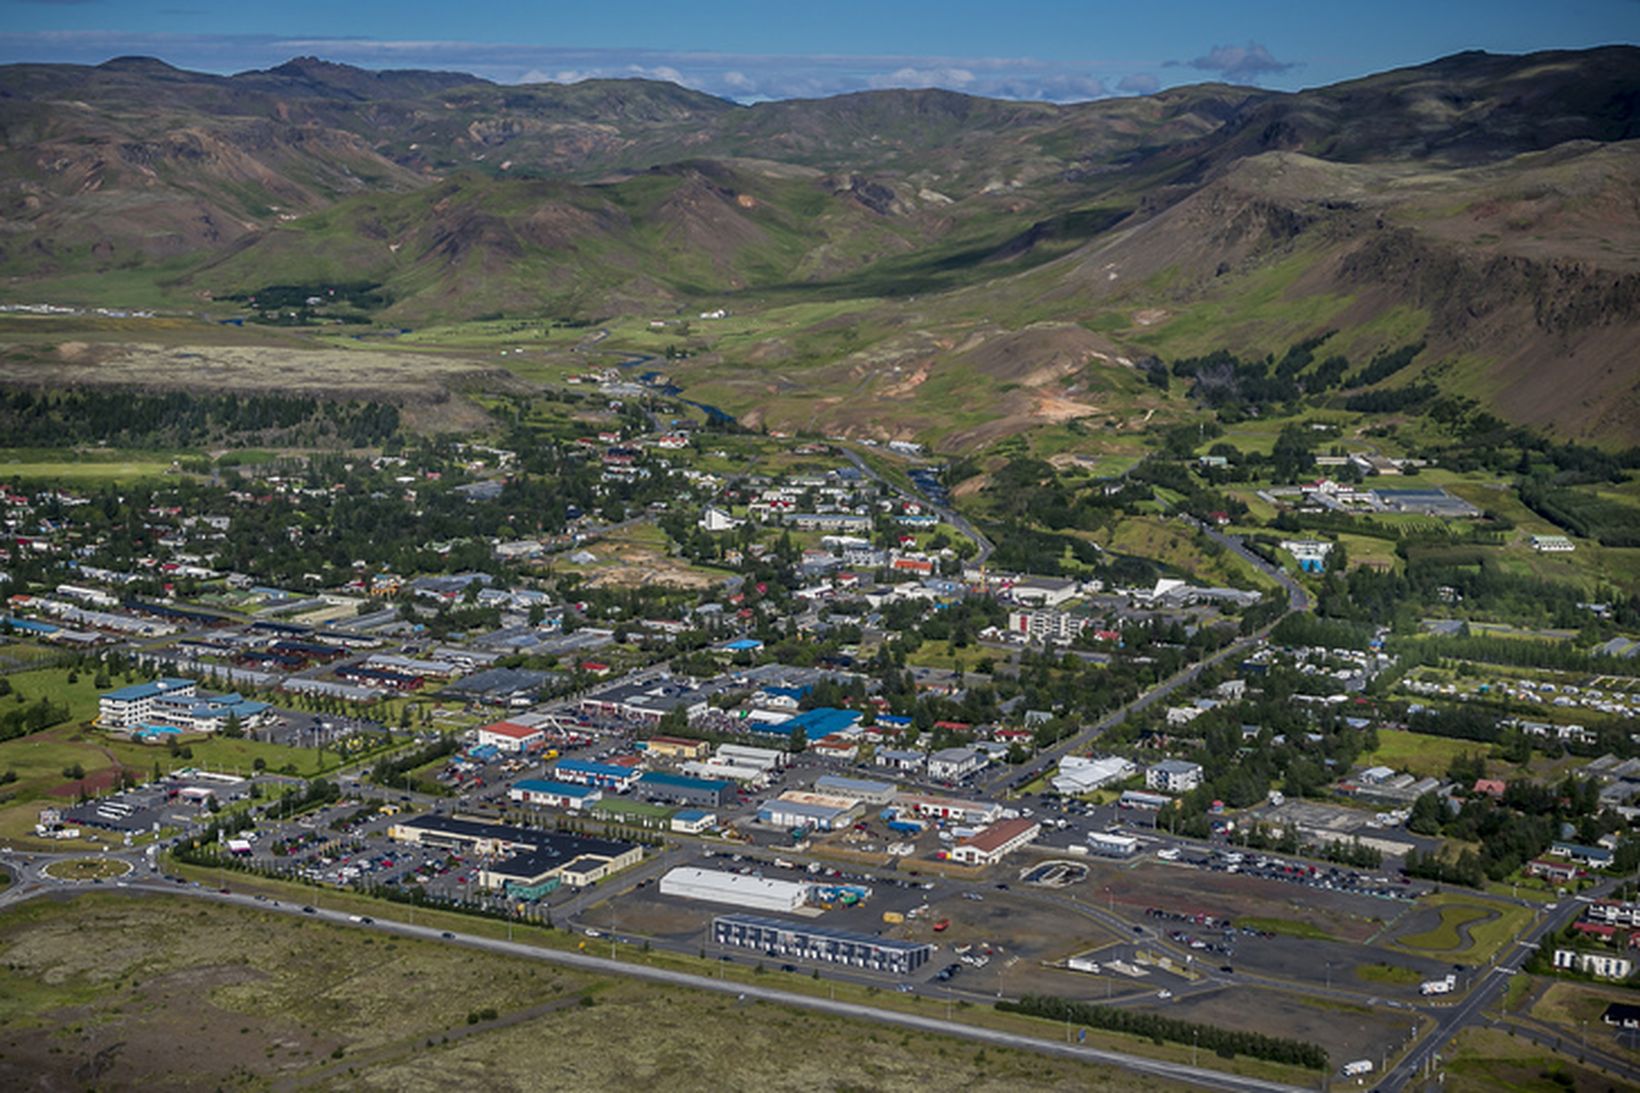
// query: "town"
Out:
[775,704]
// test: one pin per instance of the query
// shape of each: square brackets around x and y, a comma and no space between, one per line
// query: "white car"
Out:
[1164,995]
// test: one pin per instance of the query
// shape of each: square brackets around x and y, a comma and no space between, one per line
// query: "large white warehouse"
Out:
[735,889]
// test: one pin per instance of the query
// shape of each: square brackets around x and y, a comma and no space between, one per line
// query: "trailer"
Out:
[1439,986]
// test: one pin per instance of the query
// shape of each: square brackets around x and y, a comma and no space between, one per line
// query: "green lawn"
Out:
[34,466]
[1490,927]
[1419,753]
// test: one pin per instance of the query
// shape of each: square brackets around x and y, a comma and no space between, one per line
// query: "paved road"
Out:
[1297,600]
[1203,1076]
[983,546]
[1490,984]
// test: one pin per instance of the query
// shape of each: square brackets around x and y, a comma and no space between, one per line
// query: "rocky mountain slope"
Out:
[1484,204]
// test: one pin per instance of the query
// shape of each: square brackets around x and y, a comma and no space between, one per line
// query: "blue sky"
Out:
[1047,49]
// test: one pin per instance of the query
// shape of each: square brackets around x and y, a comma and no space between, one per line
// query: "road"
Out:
[983,546]
[1202,1076]
[1490,985]
[1297,600]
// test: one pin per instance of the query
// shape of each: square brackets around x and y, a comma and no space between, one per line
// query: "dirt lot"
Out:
[1347,1032]
[1182,888]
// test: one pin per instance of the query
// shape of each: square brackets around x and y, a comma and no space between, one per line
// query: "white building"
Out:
[1174,776]
[995,842]
[951,764]
[715,520]
[1112,846]
[1046,624]
[131,706]
[735,889]
[1083,774]
[1552,544]
[1603,965]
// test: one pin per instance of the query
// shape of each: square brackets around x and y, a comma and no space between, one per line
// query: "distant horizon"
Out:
[1037,50]
[647,77]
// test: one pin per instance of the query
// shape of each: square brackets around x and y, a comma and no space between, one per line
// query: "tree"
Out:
[74,772]
[798,740]
[233,729]
[1425,818]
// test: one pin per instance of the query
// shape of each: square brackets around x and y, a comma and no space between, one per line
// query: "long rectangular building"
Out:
[528,858]
[737,889]
[803,941]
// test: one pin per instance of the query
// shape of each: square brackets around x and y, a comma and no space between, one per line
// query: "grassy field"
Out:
[977,1015]
[1386,973]
[305,1003]
[65,467]
[1572,1005]
[1487,926]
[1419,753]
[1288,927]
[1483,1060]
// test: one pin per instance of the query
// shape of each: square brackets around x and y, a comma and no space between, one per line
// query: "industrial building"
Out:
[551,794]
[1082,774]
[510,737]
[589,773]
[681,789]
[745,756]
[819,811]
[815,724]
[529,858]
[1107,845]
[735,889]
[864,789]
[734,772]
[693,821]
[950,808]
[995,842]
[950,764]
[803,941]
[674,747]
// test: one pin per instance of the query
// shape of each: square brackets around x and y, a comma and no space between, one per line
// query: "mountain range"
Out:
[1487,206]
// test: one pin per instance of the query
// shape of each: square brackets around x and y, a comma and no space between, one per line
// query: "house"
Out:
[1596,856]
[1622,1015]
[951,764]
[1174,776]
[1490,787]
[995,842]
[1559,872]
[716,520]
[1600,965]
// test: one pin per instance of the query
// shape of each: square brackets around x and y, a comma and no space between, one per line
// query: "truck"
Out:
[1439,986]
[905,827]
[1359,1067]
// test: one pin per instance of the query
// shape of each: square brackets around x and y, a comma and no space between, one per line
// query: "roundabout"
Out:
[87,869]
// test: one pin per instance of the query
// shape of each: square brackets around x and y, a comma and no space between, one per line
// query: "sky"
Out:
[1055,50]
